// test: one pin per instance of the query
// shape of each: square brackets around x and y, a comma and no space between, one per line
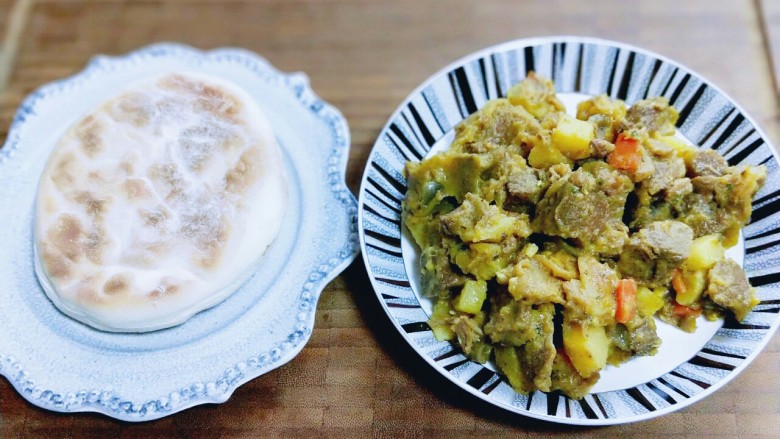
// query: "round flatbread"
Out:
[158,204]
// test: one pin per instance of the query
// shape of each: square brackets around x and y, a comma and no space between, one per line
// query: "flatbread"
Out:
[158,204]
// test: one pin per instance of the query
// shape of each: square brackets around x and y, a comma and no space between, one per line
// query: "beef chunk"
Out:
[708,163]
[513,323]
[437,275]
[527,185]
[666,171]
[524,338]
[590,298]
[723,202]
[471,338]
[658,148]
[498,124]
[729,287]
[601,148]
[667,239]
[700,212]
[643,339]
[531,283]
[565,378]
[679,188]
[587,205]
[654,115]
[655,251]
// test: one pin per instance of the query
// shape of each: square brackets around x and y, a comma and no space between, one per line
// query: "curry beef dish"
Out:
[550,243]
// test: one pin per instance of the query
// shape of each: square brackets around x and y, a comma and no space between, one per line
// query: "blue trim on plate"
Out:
[218,390]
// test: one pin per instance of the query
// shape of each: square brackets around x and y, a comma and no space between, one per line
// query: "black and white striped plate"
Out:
[684,371]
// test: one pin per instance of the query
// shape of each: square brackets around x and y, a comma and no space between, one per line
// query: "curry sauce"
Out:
[550,243]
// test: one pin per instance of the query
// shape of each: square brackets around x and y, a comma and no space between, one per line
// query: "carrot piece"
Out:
[626,154]
[564,356]
[685,311]
[625,294]
[678,283]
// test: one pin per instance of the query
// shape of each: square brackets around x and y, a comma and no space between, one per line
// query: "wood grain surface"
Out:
[357,377]
[769,13]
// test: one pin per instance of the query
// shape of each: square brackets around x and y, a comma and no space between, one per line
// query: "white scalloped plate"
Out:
[688,367]
[60,364]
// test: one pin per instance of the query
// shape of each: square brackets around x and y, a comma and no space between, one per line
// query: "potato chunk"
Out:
[706,251]
[482,260]
[543,156]
[693,284]
[683,150]
[648,301]
[572,137]
[440,321]
[587,346]
[471,296]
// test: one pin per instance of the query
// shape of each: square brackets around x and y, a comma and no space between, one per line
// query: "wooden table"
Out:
[356,378]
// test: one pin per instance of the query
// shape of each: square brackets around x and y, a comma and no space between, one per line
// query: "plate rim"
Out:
[340,254]
[524,43]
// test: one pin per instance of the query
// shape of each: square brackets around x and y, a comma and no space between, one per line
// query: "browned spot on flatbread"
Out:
[98,177]
[134,108]
[232,140]
[166,287]
[64,171]
[88,132]
[205,143]
[58,266]
[72,240]
[158,248]
[118,284]
[154,217]
[211,254]
[66,235]
[213,247]
[206,229]
[145,252]
[209,99]
[169,105]
[215,101]
[127,167]
[87,291]
[94,246]
[246,172]
[136,189]
[176,83]
[94,206]
[88,295]
[168,180]
[197,145]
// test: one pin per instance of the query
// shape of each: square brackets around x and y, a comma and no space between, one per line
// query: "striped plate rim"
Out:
[591,66]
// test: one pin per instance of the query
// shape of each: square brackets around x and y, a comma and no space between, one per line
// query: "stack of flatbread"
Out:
[158,204]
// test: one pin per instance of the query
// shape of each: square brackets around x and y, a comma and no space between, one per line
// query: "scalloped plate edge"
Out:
[109,403]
